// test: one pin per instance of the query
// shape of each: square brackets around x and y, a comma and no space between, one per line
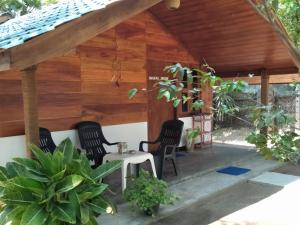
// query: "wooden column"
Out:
[207,96]
[264,88]
[29,91]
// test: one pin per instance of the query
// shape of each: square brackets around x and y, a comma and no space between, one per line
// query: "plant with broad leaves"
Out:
[289,13]
[196,78]
[271,135]
[54,189]
[171,89]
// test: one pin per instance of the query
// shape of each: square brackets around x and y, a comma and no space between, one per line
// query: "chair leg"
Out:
[175,167]
[137,170]
[159,166]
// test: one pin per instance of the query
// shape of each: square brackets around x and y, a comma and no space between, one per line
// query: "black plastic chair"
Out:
[92,139]
[168,140]
[46,142]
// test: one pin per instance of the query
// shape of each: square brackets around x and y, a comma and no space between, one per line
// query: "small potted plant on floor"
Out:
[54,189]
[146,192]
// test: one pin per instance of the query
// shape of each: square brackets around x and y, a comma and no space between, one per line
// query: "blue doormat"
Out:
[180,154]
[232,170]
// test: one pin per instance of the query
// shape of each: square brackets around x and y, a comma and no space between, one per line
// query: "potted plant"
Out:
[146,192]
[54,189]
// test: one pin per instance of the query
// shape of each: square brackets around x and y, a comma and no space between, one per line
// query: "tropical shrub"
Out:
[272,135]
[56,189]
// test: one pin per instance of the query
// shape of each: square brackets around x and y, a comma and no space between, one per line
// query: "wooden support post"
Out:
[264,94]
[264,88]
[29,91]
[297,125]
[207,96]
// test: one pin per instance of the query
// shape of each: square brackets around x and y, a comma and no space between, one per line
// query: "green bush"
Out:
[56,189]
[146,192]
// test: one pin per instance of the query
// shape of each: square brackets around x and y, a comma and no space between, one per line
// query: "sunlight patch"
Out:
[278,179]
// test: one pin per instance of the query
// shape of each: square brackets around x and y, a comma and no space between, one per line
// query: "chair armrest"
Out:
[114,143]
[146,142]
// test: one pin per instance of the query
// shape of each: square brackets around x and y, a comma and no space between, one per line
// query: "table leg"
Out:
[124,175]
[153,166]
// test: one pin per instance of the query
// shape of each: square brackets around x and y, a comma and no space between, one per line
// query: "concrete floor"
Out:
[200,186]
[190,163]
[217,206]
[246,203]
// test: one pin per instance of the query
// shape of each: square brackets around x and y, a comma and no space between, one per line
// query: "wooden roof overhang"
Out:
[230,35]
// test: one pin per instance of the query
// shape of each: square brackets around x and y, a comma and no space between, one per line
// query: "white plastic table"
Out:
[130,158]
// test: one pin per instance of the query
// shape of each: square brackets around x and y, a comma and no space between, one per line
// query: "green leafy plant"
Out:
[289,13]
[146,192]
[54,189]
[271,135]
[197,78]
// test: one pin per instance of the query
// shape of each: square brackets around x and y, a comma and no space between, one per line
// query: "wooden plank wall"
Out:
[162,50]
[91,83]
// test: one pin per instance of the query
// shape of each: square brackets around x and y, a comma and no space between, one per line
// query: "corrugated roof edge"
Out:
[16,31]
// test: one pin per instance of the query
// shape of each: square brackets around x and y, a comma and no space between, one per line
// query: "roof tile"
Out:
[20,29]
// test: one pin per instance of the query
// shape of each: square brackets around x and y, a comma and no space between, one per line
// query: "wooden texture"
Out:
[264,88]
[91,82]
[111,64]
[273,79]
[207,97]
[228,34]
[162,50]
[29,93]
[69,35]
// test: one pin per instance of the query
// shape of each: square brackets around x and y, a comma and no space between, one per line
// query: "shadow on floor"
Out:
[220,205]
[189,163]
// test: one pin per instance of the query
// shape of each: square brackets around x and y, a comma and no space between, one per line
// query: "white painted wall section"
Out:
[132,133]
[188,123]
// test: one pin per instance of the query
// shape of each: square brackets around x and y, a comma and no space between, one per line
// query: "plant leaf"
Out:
[100,205]
[26,183]
[64,212]
[106,169]
[132,92]
[44,159]
[29,164]
[84,214]
[17,198]
[176,102]
[3,174]
[34,214]
[67,147]
[91,193]
[68,183]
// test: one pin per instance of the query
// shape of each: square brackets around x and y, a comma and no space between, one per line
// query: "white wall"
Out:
[132,133]
[188,123]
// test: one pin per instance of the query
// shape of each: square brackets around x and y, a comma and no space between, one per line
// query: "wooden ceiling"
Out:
[228,34]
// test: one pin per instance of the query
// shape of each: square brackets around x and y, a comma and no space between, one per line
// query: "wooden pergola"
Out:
[204,34]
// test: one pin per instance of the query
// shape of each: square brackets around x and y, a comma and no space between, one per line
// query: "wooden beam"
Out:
[4,61]
[67,36]
[29,91]
[264,88]
[279,29]
[273,79]
[271,71]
